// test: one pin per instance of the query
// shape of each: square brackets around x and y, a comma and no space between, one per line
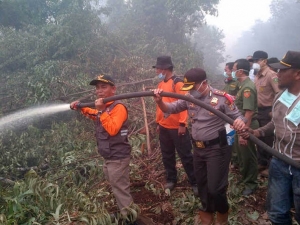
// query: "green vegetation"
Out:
[49,51]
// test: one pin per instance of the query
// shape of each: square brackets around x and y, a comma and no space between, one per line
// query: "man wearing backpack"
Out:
[172,128]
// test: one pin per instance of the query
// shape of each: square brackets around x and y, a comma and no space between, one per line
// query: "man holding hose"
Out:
[211,152]
[284,179]
[112,140]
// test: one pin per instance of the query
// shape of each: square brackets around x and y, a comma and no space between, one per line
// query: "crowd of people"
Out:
[261,95]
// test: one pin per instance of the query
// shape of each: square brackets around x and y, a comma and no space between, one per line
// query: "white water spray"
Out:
[27,116]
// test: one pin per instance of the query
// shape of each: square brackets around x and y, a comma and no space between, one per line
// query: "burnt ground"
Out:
[162,209]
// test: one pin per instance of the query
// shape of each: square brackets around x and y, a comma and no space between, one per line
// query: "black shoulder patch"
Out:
[176,79]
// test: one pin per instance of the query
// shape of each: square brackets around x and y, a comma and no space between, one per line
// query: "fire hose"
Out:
[203,105]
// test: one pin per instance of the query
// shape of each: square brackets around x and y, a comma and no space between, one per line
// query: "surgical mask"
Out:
[233,74]
[196,93]
[225,74]
[256,68]
[287,98]
[161,76]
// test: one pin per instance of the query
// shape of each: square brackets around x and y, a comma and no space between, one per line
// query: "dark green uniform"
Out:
[246,99]
[231,87]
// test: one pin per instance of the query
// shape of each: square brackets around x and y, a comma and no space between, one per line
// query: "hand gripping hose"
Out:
[203,105]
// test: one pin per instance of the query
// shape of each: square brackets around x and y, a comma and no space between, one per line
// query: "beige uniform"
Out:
[267,86]
[266,83]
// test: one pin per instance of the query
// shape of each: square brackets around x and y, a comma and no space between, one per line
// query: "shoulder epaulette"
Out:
[223,93]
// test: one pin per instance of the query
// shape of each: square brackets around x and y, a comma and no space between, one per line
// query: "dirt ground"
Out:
[244,210]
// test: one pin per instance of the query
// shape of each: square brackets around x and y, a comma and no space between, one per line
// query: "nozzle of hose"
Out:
[76,106]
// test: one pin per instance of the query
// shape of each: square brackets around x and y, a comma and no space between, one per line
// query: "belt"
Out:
[264,108]
[205,144]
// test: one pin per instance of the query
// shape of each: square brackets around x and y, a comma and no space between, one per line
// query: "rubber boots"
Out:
[206,218]
[222,219]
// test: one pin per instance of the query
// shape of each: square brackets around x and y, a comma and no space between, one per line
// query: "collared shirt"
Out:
[246,98]
[287,132]
[205,124]
[231,87]
[170,121]
[266,82]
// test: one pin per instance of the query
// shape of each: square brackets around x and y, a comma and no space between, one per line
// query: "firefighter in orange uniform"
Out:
[112,140]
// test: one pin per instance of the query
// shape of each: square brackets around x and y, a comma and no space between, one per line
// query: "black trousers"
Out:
[169,141]
[263,118]
[211,170]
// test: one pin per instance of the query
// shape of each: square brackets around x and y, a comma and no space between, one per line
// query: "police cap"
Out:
[191,77]
[290,60]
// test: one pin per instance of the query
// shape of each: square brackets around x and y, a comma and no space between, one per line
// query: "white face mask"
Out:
[240,76]
[256,68]
[196,93]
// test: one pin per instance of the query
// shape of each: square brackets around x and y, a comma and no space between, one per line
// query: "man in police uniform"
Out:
[231,86]
[211,152]
[266,83]
[246,101]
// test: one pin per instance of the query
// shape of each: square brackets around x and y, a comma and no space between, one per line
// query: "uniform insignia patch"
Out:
[261,89]
[214,101]
[247,93]
[233,85]
[275,79]
[218,92]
